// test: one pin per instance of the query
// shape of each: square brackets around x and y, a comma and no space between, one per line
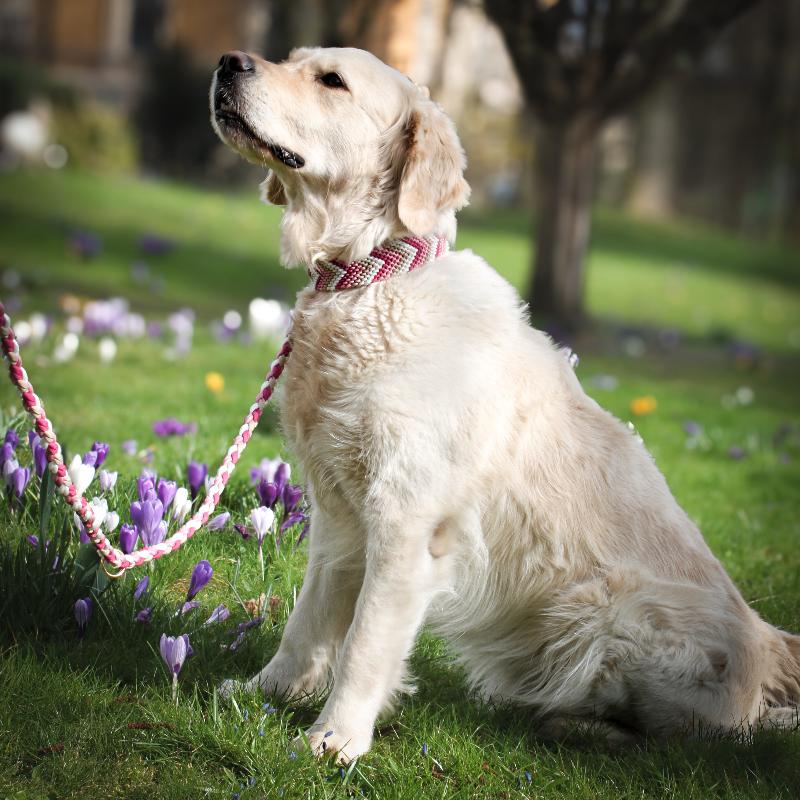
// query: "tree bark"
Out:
[564,179]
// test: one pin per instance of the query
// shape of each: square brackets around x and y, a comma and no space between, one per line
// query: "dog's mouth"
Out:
[232,124]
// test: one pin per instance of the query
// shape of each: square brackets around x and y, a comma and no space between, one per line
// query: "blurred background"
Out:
[635,167]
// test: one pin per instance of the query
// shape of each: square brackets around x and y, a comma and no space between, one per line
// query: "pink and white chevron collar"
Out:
[392,258]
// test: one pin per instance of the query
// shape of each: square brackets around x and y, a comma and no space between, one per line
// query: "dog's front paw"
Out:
[347,744]
[281,678]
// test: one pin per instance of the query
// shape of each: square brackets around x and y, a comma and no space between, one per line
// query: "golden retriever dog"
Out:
[460,477]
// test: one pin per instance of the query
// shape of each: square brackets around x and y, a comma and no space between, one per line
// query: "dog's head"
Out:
[354,148]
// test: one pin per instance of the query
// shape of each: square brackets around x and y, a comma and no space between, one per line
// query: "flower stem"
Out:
[175,688]
[261,560]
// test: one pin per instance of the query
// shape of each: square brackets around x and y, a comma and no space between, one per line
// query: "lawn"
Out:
[706,324]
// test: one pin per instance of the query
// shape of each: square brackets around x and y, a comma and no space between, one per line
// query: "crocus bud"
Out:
[262,519]
[111,521]
[201,575]
[282,475]
[144,484]
[101,449]
[219,614]
[196,474]
[90,458]
[166,492]
[181,505]
[219,522]
[291,497]
[6,452]
[83,613]
[19,480]
[39,459]
[174,651]
[80,474]
[128,536]
[141,587]
[107,480]
[267,493]
[11,438]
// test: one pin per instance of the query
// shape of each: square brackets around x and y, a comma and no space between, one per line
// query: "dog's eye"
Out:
[332,80]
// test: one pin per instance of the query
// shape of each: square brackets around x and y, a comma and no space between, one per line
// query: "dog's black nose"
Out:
[236,61]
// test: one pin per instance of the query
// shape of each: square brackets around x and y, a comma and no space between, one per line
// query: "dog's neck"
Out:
[345,225]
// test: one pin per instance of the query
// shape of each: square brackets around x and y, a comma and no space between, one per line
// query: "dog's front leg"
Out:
[319,621]
[403,572]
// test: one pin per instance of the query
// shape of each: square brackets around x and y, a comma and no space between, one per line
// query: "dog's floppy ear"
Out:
[432,179]
[272,190]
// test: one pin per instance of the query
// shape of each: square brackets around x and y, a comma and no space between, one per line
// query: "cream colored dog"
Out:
[459,475]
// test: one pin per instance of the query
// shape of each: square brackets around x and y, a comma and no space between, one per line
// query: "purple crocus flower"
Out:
[141,587]
[6,452]
[32,540]
[90,458]
[201,575]
[736,453]
[127,538]
[166,492]
[196,473]
[33,437]
[101,448]
[148,518]
[11,438]
[267,493]
[191,605]
[692,428]
[84,244]
[219,614]
[242,530]
[145,616]
[282,476]
[19,480]
[144,484]
[83,613]
[219,522]
[173,427]
[39,459]
[174,650]
[107,480]
[129,447]
[293,519]
[291,497]
[153,245]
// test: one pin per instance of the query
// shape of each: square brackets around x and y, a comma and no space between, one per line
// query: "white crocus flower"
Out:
[99,508]
[262,519]
[181,505]
[111,521]
[10,466]
[107,480]
[80,474]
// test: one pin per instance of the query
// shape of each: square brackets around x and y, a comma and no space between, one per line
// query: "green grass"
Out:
[95,718]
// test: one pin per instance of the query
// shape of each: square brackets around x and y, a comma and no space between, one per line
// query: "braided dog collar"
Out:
[392,258]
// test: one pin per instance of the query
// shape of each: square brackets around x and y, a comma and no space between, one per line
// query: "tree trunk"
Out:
[564,178]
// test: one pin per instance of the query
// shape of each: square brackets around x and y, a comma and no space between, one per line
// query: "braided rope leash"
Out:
[394,257]
[112,555]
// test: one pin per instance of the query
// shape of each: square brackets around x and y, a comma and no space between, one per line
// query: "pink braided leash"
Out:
[394,257]
[115,557]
